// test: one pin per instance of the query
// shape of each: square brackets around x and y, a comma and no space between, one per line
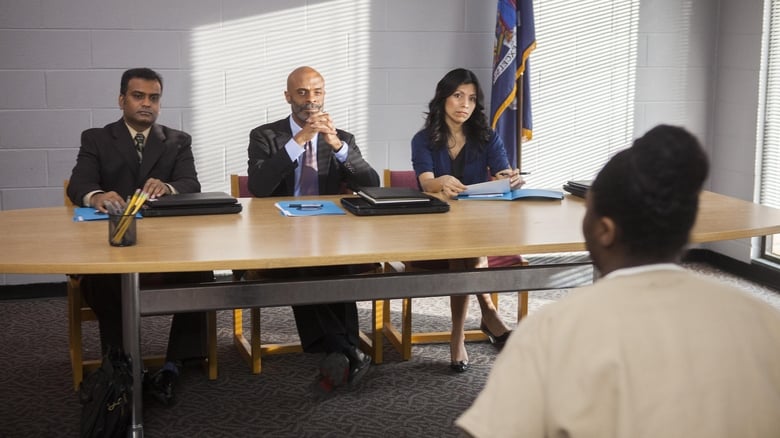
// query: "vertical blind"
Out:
[582,87]
[770,154]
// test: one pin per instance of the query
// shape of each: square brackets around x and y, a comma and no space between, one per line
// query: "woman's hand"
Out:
[451,186]
[515,180]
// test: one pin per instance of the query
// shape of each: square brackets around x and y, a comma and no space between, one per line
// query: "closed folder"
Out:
[393,195]
[578,187]
[363,207]
[188,204]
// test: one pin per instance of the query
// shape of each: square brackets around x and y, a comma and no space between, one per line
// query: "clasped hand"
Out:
[316,124]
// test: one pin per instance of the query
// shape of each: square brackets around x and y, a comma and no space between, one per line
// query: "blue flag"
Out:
[515,40]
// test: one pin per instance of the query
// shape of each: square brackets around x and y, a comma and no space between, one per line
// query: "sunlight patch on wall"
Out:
[239,74]
[583,76]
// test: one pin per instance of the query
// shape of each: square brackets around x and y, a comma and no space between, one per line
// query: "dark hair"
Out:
[476,128]
[651,190]
[143,73]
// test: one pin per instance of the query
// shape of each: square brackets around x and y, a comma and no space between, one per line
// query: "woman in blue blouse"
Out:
[455,148]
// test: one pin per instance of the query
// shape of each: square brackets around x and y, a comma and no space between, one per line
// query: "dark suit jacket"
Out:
[272,173]
[108,161]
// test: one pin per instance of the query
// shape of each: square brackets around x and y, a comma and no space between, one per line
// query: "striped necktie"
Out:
[139,144]
[308,184]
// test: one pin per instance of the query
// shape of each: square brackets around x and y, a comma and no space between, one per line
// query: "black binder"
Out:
[362,207]
[189,204]
[578,187]
[393,195]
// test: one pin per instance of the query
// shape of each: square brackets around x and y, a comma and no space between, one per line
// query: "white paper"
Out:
[495,187]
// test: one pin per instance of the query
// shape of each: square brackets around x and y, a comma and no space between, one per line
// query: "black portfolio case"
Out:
[362,207]
[577,188]
[188,204]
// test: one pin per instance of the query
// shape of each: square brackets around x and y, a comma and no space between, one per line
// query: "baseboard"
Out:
[757,272]
[33,290]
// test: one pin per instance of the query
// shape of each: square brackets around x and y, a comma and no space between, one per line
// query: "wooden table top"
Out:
[47,241]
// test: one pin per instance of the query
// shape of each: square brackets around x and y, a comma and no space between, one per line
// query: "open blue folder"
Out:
[499,190]
[84,214]
[516,194]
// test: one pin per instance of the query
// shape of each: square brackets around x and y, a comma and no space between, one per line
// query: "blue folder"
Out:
[516,194]
[308,208]
[84,214]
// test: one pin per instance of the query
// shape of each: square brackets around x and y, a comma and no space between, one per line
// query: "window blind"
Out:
[582,87]
[769,193]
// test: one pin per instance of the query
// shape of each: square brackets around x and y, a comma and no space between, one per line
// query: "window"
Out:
[769,130]
[582,87]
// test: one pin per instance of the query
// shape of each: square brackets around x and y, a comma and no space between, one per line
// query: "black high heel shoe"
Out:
[460,367]
[497,341]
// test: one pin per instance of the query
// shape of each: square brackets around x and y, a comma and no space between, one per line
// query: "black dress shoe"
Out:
[460,367]
[498,341]
[334,372]
[161,386]
[359,363]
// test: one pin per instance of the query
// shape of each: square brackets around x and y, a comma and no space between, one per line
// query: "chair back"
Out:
[401,178]
[239,186]
[68,202]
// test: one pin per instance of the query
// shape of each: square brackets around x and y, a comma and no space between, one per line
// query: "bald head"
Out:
[301,73]
[305,93]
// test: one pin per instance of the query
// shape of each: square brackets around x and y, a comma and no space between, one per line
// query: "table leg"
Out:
[131,328]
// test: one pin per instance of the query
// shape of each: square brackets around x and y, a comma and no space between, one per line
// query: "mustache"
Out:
[308,107]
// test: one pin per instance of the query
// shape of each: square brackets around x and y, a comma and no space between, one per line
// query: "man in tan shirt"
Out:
[650,350]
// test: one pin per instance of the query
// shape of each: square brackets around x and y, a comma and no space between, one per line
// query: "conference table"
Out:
[48,241]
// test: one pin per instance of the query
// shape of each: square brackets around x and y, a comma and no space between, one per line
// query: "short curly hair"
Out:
[651,191]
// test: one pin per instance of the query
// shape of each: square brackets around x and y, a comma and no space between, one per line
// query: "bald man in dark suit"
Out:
[304,154]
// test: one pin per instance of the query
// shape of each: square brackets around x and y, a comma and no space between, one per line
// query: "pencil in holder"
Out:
[122,230]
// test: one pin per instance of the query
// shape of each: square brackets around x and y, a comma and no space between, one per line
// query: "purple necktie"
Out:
[308,184]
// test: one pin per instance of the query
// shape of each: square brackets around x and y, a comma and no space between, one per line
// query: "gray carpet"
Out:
[420,397]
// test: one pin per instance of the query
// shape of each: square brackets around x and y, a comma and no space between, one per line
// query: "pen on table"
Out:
[312,206]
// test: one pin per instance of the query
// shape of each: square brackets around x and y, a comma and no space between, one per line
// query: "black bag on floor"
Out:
[106,398]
